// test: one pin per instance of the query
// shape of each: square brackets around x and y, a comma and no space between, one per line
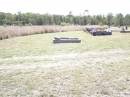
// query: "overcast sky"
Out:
[64,6]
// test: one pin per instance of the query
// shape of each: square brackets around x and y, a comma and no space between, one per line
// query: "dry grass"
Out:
[32,66]
[89,74]
[13,31]
[42,44]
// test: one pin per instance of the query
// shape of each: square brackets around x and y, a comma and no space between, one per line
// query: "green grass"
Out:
[42,44]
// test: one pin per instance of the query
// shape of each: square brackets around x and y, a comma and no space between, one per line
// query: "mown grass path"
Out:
[88,74]
[32,66]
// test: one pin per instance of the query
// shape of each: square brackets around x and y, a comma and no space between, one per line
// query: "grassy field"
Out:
[43,44]
[32,66]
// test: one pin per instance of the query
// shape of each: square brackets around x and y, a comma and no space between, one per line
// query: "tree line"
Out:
[47,19]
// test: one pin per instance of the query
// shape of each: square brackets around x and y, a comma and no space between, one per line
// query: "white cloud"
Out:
[64,6]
